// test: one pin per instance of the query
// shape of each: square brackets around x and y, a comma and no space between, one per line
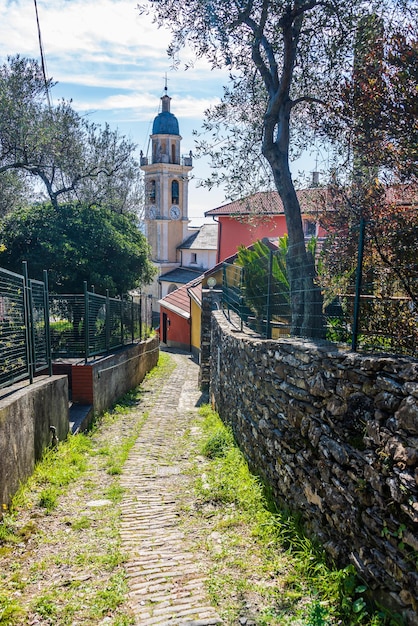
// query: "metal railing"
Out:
[87,325]
[39,325]
[36,327]
[367,309]
[24,327]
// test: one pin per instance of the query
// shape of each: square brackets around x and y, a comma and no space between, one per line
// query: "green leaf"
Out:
[358,605]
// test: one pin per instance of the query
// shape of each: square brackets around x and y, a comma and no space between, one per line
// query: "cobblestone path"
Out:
[165,576]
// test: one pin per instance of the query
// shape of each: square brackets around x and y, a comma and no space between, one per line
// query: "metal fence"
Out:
[89,324]
[24,340]
[36,327]
[371,306]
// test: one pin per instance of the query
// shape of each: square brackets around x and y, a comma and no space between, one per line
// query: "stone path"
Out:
[165,577]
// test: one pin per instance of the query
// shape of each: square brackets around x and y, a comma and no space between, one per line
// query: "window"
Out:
[175,193]
[172,288]
[309,228]
[152,188]
[193,258]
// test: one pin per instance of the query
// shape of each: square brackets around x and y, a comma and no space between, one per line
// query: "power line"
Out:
[43,63]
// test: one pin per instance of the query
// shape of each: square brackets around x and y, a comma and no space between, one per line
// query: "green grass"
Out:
[10,610]
[262,565]
[54,473]
[266,562]
[81,544]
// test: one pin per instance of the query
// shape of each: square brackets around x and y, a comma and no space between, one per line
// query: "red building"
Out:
[262,215]
[242,222]
[175,318]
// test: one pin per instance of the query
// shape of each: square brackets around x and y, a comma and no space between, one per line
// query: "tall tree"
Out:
[379,109]
[376,112]
[287,58]
[72,158]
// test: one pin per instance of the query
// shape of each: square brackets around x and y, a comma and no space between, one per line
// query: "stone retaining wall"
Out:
[335,434]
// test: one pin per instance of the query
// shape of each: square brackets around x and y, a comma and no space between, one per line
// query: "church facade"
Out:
[166,180]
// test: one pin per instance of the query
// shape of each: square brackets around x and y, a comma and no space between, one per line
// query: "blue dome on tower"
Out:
[165,123]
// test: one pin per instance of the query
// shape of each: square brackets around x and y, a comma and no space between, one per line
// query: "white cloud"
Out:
[145,103]
[111,62]
[77,26]
[104,44]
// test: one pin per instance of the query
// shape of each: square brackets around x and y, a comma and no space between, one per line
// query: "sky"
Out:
[112,63]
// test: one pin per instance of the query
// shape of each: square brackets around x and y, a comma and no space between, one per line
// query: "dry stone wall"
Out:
[335,434]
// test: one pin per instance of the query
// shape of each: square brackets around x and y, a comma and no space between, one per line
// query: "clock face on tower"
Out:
[174,212]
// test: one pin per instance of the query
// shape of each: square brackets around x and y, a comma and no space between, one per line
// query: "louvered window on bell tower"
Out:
[152,188]
[175,193]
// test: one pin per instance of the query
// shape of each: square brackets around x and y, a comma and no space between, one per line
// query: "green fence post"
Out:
[141,302]
[269,288]
[107,328]
[47,326]
[241,298]
[122,311]
[359,275]
[133,321]
[27,317]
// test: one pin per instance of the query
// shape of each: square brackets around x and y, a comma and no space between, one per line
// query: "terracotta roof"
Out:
[311,199]
[178,301]
[267,203]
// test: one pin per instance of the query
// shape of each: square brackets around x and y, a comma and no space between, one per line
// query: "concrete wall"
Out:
[26,414]
[178,330]
[102,382]
[28,411]
[195,327]
[335,434]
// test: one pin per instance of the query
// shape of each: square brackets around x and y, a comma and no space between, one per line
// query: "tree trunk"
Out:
[305,297]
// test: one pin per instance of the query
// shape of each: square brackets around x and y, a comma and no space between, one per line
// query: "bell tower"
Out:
[166,190]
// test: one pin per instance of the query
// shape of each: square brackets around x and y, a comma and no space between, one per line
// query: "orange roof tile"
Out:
[311,199]
[268,203]
[178,301]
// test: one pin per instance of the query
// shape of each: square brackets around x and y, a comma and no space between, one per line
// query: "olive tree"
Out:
[72,159]
[287,59]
